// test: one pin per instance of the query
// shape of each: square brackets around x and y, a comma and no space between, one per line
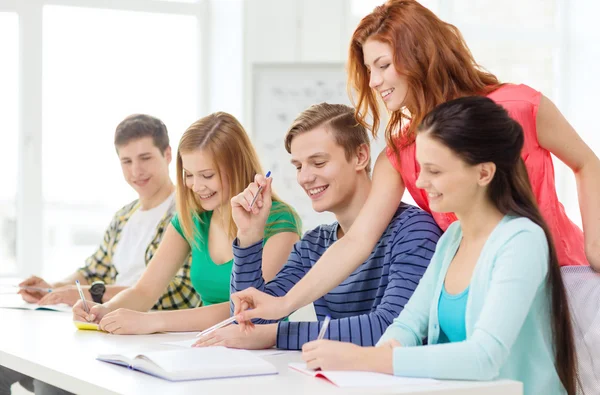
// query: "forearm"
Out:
[376,359]
[588,189]
[112,291]
[188,320]
[132,298]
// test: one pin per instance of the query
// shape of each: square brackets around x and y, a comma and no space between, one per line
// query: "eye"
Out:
[433,172]
[208,177]
[187,175]
[319,164]
[384,66]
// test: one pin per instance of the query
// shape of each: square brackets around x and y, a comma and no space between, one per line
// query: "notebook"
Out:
[349,379]
[194,363]
[86,326]
[10,302]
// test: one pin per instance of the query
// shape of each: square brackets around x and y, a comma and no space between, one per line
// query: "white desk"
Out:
[47,346]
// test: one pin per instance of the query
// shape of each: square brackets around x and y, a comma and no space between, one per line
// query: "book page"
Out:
[16,302]
[209,362]
[348,379]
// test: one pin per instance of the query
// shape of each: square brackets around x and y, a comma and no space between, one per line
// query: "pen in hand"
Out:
[85,306]
[31,288]
[324,328]
[260,188]
[220,325]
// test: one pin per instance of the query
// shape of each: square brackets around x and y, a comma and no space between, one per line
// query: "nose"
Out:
[305,176]
[137,168]
[197,185]
[375,80]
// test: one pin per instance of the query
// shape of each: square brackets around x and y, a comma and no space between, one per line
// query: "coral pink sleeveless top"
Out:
[522,103]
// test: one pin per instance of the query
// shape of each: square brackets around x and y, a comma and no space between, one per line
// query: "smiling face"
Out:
[451,184]
[390,85]
[202,178]
[323,171]
[144,167]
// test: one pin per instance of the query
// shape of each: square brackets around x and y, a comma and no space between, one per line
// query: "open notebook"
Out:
[349,379]
[15,302]
[194,363]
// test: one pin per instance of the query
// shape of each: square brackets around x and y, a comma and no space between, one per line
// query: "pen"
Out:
[324,328]
[85,306]
[216,326]
[29,288]
[260,188]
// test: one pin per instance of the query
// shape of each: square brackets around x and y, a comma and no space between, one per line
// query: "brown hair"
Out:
[339,119]
[478,131]
[429,52]
[138,126]
[235,160]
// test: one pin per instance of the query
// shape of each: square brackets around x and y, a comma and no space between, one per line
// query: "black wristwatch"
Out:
[97,291]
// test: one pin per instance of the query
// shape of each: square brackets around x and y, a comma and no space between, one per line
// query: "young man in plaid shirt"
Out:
[142,145]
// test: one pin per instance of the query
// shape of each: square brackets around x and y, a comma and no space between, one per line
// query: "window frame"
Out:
[29,197]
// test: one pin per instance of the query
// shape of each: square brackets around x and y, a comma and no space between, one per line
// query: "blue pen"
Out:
[260,188]
[30,288]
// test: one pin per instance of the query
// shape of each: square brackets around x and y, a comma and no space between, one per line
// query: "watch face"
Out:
[97,289]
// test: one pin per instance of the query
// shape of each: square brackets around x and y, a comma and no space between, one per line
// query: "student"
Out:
[215,161]
[331,153]
[405,55]
[130,241]
[492,304]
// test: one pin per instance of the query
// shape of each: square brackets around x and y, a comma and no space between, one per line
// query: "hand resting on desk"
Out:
[232,336]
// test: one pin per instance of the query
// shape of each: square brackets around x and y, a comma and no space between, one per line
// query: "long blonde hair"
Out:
[234,159]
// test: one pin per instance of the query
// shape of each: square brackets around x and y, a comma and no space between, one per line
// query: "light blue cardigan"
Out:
[507,319]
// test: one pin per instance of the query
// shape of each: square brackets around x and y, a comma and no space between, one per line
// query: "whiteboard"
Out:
[280,92]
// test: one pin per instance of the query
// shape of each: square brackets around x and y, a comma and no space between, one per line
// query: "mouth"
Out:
[433,196]
[315,193]
[206,196]
[142,182]
[386,93]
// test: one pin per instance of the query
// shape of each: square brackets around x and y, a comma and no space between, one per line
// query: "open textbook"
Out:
[194,363]
[348,379]
[15,302]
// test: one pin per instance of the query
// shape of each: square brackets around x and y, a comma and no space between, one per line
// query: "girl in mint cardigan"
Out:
[492,304]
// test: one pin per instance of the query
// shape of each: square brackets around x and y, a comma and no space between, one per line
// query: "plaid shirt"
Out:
[180,293]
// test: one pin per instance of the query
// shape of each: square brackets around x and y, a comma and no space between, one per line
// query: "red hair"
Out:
[429,52]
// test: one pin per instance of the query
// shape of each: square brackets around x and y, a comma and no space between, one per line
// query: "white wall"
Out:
[550,44]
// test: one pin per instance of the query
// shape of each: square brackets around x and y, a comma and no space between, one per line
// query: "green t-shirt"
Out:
[212,281]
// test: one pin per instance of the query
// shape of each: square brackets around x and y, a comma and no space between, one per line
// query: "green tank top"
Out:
[212,281]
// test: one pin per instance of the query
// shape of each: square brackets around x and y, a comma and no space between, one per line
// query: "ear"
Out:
[363,157]
[168,154]
[486,174]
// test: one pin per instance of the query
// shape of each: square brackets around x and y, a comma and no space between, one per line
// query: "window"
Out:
[9,77]
[143,63]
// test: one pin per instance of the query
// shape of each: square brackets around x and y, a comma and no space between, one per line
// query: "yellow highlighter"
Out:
[86,326]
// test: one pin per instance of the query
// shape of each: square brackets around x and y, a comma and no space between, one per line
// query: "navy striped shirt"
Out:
[366,303]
